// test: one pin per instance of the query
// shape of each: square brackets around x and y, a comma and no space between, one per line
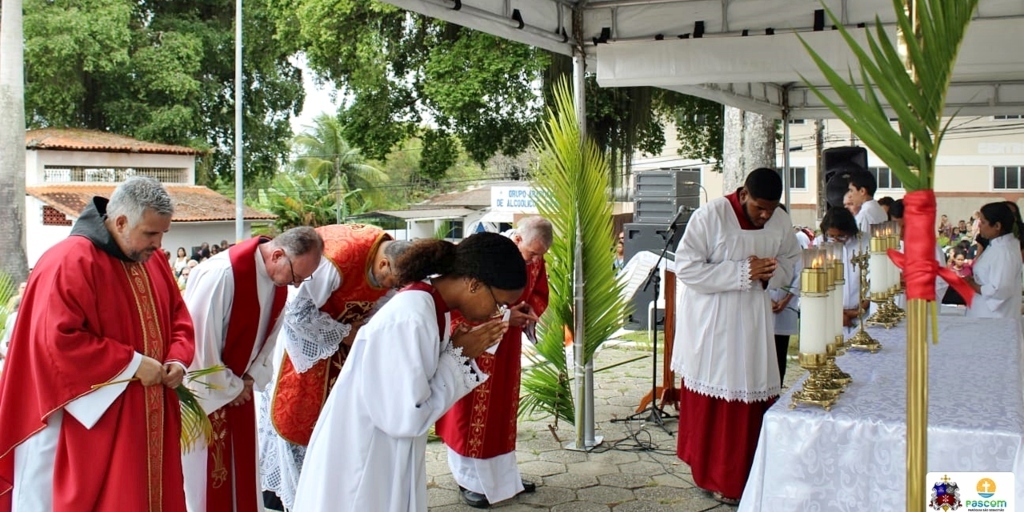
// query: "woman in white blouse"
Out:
[998,271]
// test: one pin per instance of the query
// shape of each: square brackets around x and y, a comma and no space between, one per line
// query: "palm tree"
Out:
[306,200]
[324,153]
[574,194]
[12,140]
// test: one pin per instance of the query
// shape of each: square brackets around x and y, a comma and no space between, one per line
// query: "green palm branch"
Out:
[573,186]
[918,101]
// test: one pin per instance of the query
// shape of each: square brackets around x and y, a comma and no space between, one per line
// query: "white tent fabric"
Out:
[757,72]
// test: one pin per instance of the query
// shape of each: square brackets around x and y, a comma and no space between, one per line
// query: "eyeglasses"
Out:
[295,280]
[499,308]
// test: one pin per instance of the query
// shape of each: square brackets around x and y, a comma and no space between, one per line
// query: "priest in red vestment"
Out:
[235,299]
[480,430]
[734,250]
[98,310]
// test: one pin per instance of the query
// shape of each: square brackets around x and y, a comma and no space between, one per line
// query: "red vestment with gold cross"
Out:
[483,423]
[299,397]
[84,315]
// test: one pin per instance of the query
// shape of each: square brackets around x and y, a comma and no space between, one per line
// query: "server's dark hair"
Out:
[488,257]
[764,183]
[896,210]
[1000,212]
[841,219]
[864,179]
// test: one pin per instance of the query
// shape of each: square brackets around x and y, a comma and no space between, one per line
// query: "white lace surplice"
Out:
[368,448]
[724,326]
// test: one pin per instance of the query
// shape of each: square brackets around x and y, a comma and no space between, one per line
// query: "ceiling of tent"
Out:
[734,60]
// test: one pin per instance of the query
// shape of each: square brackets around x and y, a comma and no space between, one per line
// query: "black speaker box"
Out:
[838,162]
[648,237]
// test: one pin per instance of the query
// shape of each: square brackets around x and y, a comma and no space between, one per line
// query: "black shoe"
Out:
[529,486]
[474,499]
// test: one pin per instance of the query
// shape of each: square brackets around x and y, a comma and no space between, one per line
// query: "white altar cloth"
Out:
[853,458]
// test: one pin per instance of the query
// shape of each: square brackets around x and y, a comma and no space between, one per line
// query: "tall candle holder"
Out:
[894,311]
[880,282]
[862,340]
[833,335]
[817,388]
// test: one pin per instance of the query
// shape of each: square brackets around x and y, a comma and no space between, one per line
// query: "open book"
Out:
[634,274]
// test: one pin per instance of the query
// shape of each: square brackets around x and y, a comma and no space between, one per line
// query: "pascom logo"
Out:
[986,487]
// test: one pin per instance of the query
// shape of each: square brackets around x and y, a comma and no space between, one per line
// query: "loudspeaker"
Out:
[838,163]
[647,237]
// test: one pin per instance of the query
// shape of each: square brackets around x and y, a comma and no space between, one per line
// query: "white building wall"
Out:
[37,161]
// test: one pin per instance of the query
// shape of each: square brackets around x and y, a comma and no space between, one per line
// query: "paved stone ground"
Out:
[634,470]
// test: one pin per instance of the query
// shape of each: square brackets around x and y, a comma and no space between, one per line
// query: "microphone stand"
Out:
[654,413]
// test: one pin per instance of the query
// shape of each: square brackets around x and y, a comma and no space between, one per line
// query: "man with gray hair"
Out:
[480,430]
[235,299]
[89,419]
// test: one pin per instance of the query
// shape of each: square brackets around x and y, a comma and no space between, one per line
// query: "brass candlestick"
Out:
[882,316]
[862,340]
[817,389]
[832,372]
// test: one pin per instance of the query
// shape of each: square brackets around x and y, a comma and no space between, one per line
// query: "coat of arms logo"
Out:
[945,495]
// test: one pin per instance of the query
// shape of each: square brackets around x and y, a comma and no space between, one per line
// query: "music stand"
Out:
[654,413]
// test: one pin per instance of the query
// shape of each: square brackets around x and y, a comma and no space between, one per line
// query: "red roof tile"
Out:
[191,203]
[76,139]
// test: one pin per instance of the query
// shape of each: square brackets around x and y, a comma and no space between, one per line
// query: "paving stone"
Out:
[593,468]
[548,496]
[445,481]
[571,481]
[563,456]
[541,468]
[580,506]
[625,481]
[679,480]
[603,494]
[642,506]
[439,497]
[661,494]
[615,457]
[642,467]
[696,499]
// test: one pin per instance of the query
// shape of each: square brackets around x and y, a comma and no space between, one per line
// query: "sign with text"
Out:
[513,199]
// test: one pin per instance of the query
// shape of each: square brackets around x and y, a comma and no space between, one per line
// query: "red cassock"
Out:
[84,315]
[483,423]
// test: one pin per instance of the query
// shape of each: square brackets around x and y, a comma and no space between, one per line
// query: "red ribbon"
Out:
[918,259]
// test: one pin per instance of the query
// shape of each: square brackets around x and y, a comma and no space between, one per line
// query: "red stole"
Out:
[483,424]
[741,214]
[234,427]
[299,397]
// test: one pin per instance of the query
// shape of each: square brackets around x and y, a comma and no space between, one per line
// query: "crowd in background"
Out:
[182,262]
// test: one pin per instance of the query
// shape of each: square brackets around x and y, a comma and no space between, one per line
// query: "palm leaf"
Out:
[573,185]
[919,101]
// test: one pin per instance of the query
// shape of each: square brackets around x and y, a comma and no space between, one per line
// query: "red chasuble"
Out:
[718,438]
[299,397]
[232,455]
[84,314]
[483,423]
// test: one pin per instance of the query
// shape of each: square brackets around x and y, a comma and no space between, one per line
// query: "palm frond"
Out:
[573,185]
[919,101]
[195,424]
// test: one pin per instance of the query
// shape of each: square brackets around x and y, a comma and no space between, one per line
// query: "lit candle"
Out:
[813,302]
[878,268]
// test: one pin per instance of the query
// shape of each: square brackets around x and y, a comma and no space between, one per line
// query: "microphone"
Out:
[679,216]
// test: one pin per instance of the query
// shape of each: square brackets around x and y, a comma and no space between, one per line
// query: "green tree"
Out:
[12,140]
[305,200]
[322,152]
[162,71]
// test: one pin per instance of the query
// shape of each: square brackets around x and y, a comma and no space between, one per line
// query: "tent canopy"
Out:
[698,47]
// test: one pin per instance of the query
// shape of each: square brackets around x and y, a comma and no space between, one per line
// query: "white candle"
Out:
[812,324]
[878,272]
[837,309]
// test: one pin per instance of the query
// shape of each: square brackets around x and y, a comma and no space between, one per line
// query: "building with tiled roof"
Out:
[66,168]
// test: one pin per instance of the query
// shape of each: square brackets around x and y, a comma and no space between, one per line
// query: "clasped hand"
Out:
[152,373]
[761,269]
[475,340]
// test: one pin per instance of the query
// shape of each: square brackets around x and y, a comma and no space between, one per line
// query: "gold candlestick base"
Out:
[882,317]
[863,341]
[816,390]
[892,310]
[832,372]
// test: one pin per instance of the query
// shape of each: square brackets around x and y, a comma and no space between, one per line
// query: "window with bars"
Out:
[797,121]
[885,178]
[1006,178]
[53,217]
[76,174]
[1008,117]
